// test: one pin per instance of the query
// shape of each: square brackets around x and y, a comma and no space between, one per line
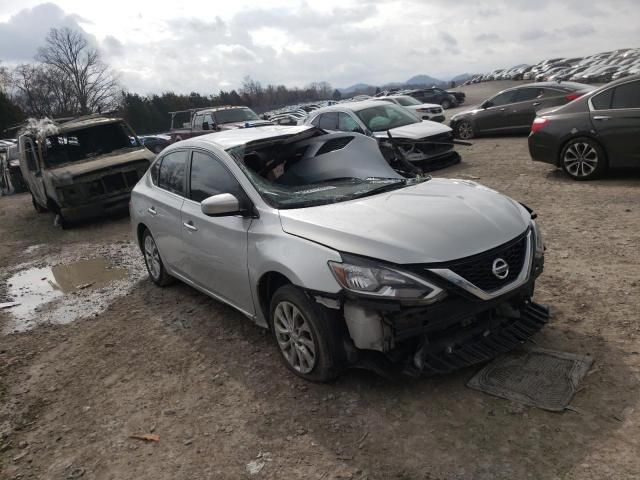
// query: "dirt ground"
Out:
[210,384]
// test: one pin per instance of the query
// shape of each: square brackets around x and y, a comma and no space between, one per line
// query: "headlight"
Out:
[538,239]
[384,282]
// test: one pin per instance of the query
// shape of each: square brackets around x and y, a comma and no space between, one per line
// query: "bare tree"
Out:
[68,54]
[41,91]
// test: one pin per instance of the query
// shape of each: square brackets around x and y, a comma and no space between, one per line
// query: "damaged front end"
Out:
[421,155]
[436,318]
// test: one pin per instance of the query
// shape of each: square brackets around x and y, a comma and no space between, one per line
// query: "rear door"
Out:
[615,114]
[216,247]
[163,210]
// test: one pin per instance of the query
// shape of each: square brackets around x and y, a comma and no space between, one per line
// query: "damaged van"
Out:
[83,167]
[346,261]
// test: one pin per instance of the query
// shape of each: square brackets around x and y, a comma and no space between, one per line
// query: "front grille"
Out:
[478,269]
[114,183]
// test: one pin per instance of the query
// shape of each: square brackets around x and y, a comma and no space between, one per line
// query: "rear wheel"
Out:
[153,261]
[464,130]
[308,336]
[583,159]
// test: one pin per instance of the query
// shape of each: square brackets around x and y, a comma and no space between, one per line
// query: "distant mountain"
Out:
[416,80]
[358,87]
[424,80]
[463,77]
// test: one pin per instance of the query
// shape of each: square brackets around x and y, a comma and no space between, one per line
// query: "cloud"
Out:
[24,32]
[487,37]
[214,45]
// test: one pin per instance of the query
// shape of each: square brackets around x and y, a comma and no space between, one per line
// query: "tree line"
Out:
[69,78]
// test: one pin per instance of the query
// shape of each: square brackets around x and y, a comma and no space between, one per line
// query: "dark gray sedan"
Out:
[599,130]
[513,110]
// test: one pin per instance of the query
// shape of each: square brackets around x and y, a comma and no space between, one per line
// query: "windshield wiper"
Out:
[382,188]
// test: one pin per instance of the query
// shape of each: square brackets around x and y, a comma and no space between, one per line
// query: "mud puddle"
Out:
[61,293]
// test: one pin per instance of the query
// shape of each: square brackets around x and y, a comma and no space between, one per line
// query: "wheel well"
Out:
[267,286]
[564,145]
[52,205]
[140,231]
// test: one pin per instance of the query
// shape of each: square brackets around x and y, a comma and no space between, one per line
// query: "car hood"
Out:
[468,112]
[435,221]
[415,131]
[66,172]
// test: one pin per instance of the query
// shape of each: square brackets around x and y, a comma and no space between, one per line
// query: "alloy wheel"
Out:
[152,257]
[465,131]
[580,159]
[295,337]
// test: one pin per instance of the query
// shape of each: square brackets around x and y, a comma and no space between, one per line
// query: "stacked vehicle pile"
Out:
[598,68]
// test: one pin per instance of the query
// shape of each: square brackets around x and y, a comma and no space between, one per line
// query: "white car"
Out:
[420,145]
[424,111]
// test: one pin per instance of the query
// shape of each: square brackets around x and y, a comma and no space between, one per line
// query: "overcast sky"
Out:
[207,45]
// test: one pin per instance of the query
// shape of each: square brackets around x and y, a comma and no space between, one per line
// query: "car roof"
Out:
[241,136]
[567,85]
[353,106]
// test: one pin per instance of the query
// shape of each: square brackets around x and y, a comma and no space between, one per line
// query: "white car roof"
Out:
[241,136]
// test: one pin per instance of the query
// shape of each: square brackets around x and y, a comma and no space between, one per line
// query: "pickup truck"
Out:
[213,119]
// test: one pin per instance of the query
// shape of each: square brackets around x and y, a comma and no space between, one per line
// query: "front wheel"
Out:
[583,159]
[308,337]
[446,104]
[464,130]
[153,261]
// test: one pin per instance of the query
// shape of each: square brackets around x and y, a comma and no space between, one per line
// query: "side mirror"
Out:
[486,104]
[220,205]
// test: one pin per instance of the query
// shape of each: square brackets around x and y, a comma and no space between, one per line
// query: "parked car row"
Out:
[598,68]
[513,110]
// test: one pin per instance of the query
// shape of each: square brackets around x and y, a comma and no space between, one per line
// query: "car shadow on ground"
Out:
[396,428]
[613,175]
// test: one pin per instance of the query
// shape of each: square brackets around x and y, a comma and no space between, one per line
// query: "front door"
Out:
[32,170]
[494,117]
[216,247]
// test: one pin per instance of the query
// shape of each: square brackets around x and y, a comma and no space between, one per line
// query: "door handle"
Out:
[152,210]
[601,118]
[502,109]
[190,226]
[535,104]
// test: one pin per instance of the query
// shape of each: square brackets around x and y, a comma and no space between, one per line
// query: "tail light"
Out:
[538,123]
[572,96]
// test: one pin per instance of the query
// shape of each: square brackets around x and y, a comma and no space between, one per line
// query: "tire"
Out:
[39,208]
[446,104]
[314,327]
[464,130]
[155,267]
[583,158]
